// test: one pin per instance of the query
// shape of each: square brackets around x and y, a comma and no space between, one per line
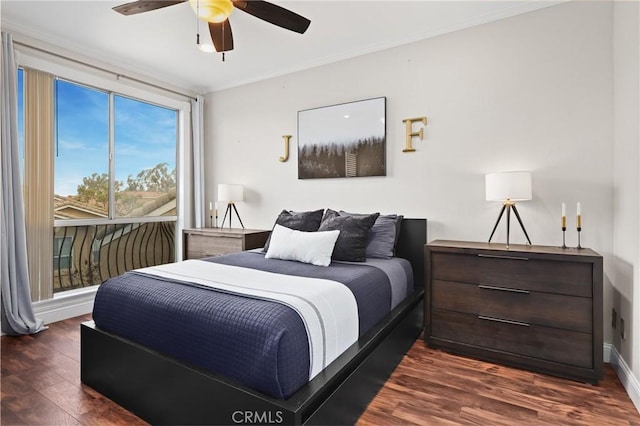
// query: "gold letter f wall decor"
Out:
[411,134]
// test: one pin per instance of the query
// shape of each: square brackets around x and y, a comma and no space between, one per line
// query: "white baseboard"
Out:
[628,380]
[606,352]
[67,305]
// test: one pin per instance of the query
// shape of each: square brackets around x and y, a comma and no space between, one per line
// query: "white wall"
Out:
[533,92]
[626,219]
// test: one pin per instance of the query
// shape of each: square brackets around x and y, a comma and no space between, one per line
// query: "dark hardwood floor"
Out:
[432,387]
[41,386]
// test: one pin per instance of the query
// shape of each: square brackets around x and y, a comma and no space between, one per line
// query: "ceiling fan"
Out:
[216,13]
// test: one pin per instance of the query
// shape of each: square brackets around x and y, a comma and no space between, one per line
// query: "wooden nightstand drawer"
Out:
[514,270]
[203,245]
[553,310]
[207,242]
[499,334]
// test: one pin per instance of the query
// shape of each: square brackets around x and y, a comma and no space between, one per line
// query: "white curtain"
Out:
[197,124]
[16,311]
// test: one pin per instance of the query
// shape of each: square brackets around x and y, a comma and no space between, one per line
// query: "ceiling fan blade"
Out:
[144,6]
[221,36]
[274,14]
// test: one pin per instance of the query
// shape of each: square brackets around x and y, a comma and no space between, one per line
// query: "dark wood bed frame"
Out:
[162,390]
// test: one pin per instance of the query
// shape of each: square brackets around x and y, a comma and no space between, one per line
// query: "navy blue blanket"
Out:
[261,344]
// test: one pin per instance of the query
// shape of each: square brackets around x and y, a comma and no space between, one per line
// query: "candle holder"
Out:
[212,224]
[579,230]
[564,227]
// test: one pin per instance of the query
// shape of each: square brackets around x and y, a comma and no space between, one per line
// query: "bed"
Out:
[165,387]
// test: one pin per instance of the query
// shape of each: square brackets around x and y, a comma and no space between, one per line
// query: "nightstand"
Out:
[534,307]
[206,242]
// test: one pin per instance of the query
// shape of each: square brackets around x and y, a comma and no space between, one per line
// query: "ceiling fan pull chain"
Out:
[223,43]
[198,27]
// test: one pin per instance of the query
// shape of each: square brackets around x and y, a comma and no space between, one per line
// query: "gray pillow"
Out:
[383,236]
[299,221]
[399,219]
[354,233]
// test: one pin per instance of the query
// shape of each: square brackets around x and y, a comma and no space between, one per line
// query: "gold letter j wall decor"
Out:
[410,134]
[286,148]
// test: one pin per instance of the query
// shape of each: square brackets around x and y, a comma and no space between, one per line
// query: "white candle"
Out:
[210,206]
[564,209]
[579,216]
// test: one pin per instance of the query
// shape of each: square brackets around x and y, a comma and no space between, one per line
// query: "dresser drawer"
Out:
[552,344]
[552,310]
[514,271]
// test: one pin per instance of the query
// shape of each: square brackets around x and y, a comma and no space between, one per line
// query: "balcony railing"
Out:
[86,255]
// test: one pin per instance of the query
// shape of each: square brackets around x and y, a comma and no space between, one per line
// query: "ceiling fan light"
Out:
[206,47]
[212,10]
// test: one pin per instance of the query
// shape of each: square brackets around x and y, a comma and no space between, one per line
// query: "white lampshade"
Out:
[514,186]
[230,193]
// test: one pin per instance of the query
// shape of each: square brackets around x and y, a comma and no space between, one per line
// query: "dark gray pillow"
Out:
[383,235]
[300,221]
[354,233]
[399,219]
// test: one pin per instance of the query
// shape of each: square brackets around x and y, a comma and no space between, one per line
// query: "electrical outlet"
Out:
[614,317]
[622,329]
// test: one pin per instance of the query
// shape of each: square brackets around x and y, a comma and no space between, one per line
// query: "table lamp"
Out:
[230,194]
[508,187]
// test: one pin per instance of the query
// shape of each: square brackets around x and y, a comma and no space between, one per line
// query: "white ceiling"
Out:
[161,43]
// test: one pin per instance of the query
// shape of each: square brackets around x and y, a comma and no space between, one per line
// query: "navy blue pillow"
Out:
[354,232]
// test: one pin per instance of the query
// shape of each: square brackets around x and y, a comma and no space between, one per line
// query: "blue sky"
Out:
[145,135]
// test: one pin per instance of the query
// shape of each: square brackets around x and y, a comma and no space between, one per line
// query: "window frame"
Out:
[113,83]
[90,72]
[112,151]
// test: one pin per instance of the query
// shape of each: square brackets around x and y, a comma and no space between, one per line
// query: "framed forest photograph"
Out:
[345,140]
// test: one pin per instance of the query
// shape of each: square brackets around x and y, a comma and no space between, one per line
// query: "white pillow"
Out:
[307,247]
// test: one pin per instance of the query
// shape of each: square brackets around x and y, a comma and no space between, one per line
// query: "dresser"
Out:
[206,242]
[532,307]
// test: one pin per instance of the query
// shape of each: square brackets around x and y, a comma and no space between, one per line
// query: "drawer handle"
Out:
[506,321]
[494,256]
[510,290]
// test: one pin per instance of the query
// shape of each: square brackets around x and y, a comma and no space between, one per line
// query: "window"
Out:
[96,245]
[81,152]
[145,152]
[100,162]
[135,176]
[62,252]
[21,121]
